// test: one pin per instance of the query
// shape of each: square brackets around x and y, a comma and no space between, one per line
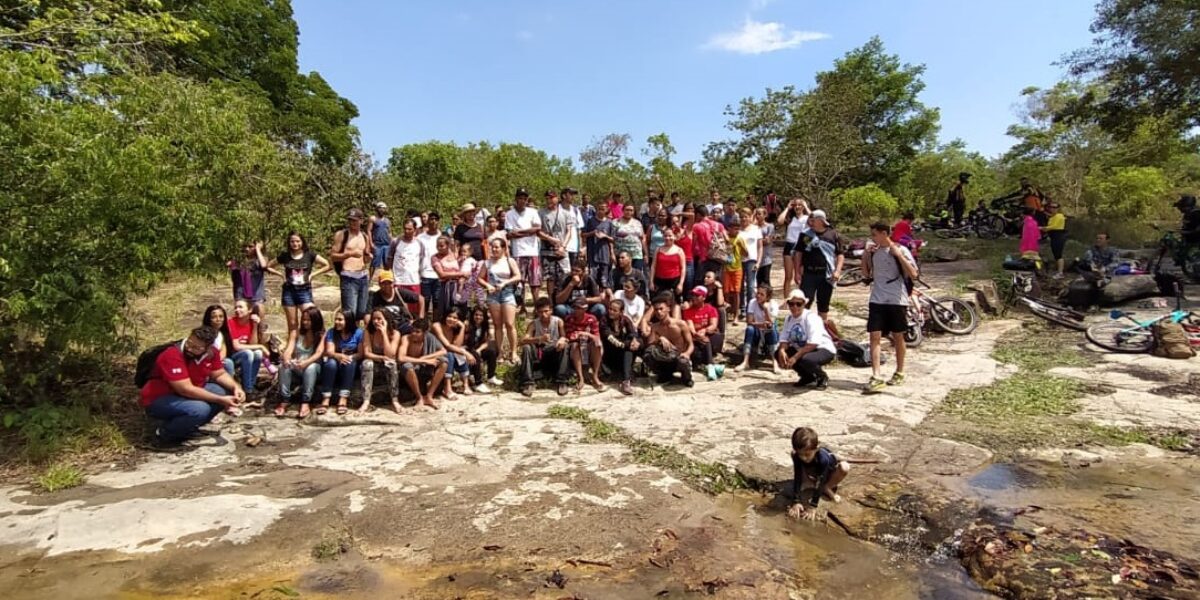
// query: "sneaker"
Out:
[627,388]
[712,372]
[874,386]
[804,382]
[1057,276]
[822,384]
[897,379]
[483,389]
[496,381]
[527,391]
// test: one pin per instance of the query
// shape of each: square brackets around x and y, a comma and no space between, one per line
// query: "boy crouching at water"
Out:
[817,473]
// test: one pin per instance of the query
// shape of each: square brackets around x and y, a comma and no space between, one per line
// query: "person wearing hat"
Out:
[583,341]
[704,325]
[351,256]
[523,224]
[1189,230]
[400,303]
[379,229]
[805,345]
[822,252]
[470,231]
[557,230]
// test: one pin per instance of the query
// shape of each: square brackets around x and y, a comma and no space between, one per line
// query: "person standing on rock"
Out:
[822,254]
[523,224]
[891,267]
[379,229]
[352,253]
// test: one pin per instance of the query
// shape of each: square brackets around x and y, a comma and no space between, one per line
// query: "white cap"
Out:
[797,295]
[820,214]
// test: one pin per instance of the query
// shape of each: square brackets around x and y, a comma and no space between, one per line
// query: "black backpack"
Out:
[854,354]
[146,360]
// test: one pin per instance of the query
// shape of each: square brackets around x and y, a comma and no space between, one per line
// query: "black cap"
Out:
[579,302]
[522,192]
[551,194]
[964,176]
[569,190]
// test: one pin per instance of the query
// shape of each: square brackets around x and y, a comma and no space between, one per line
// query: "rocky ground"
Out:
[606,496]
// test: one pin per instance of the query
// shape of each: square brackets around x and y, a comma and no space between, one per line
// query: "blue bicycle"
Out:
[1137,338]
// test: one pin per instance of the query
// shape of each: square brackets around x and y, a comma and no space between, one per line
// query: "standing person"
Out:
[668,264]
[423,358]
[703,322]
[734,270]
[522,225]
[544,349]
[449,272]
[1031,197]
[500,279]
[730,213]
[470,293]
[682,226]
[1031,234]
[576,220]
[248,350]
[626,271]
[493,231]
[704,233]
[599,236]
[751,239]
[1056,229]
[766,259]
[586,209]
[431,285]
[248,274]
[470,232]
[341,361]
[187,388]
[714,201]
[890,266]
[351,255]
[902,231]
[379,229]
[822,255]
[583,340]
[407,255]
[629,237]
[616,205]
[794,220]
[655,235]
[621,343]
[557,229]
[302,358]
[805,346]
[677,205]
[760,328]
[669,346]
[480,344]
[378,352]
[771,206]
[297,264]
[956,200]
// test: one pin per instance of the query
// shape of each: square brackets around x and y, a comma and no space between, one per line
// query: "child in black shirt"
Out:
[817,472]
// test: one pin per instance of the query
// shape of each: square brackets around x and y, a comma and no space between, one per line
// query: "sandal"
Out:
[304,411]
[323,408]
[281,410]
[341,407]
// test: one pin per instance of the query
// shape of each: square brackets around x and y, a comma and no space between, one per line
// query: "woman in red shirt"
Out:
[247,351]
[669,266]
[682,226]
[704,321]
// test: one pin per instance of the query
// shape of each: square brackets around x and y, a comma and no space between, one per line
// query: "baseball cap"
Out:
[551,194]
[381,205]
[569,190]
[354,213]
[522,192]
[579,302]
[820,214]
[386,276]
[699,291]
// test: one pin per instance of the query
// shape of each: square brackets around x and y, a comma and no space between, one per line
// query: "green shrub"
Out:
[862,204]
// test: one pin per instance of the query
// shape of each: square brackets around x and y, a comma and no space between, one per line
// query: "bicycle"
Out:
[1024,289]
[950,315]
[1118,337]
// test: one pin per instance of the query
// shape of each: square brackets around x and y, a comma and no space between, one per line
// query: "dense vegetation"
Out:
[141,138]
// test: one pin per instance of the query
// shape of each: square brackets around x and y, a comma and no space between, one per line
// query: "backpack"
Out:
[718,248]
[855,354]
[146,360]
[1171,341]
[908,281]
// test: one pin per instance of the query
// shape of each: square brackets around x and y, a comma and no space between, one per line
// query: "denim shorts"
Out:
[504,295]
[296,296]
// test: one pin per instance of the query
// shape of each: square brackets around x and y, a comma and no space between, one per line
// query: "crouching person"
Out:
[621,343]
[188,387]
[817,472]
[669,348]
[807,347]
[760,329]
[583,336]
[423,358]
[544,349]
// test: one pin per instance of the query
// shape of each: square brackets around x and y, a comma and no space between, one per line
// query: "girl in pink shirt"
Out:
[1030,234]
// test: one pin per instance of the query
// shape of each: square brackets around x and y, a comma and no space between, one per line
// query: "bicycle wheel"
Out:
[953,316]
[913,336]
[947,234]
[1120,337]
[1067,318]
[991,227]
[851,276]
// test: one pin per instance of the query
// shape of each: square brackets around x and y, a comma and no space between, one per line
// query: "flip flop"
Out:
[322,410]
[280,410]
[341,409]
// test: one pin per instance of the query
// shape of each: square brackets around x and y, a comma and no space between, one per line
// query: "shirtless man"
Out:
[352,249]
[670,344]
[422,357]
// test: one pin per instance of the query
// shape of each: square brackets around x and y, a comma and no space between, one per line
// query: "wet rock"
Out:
[340,579]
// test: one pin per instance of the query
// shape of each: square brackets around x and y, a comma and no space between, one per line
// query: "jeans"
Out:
[335,375]
[354,295]
[551,362]
[227,362]
[368,378]
[487,359]
[619,360]
[749,281]
[183,416]
[308,378]
[457,364]
[764,275]
[248,361]
[597,310]
[689,277]
[756,335]
[663,371]
[296,296]
[602,272]
[431,290]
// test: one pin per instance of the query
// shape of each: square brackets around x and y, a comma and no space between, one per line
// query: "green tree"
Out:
[1128,192]
[426,172]
[932,173]
[863,204]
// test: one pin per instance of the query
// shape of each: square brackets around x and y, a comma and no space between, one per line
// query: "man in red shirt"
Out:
[703,321]
[583,337]
[188,387]
[702,235]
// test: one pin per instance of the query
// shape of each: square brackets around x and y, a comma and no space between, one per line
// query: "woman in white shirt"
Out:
[752,237]
[760,328]
[768,236]
[795,219]
[635,305]
[805,345]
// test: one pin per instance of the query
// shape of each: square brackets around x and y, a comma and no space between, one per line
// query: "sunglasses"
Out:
[795,303]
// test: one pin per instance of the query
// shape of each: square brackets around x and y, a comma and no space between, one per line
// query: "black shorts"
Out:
[818,289]
[887,318]
[789,248]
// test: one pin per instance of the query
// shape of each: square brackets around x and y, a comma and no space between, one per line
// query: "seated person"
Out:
[1100,257]
[669,347]
[635,305]
[703,322]
[621,343]
[805,346]
[422,358]
[452,333]
[817,472]
[578,284]
[583,339]
[544,349]
[188,387]
[340,364]
[401,303]
[760,329]
[248,350]
[378,351]
[302,358]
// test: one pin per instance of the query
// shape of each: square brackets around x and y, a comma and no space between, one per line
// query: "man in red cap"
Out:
[703,322]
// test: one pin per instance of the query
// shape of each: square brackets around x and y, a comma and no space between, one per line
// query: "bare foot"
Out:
[304,410]
[430,402]
[600,387]
[741,367]
[397,407]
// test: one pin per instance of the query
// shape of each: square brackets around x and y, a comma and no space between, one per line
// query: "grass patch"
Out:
[60,476]
[713,478]
[839,305]
[1022,395]
[330,548]
[1036,348]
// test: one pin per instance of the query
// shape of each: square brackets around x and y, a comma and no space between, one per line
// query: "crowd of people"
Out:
[615,290]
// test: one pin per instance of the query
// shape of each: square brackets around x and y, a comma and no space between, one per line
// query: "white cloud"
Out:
[755,37]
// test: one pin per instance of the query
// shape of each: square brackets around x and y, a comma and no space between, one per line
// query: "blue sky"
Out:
[555,75]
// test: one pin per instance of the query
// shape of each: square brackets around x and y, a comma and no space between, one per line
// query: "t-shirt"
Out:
[701,316]
[795,228]
[587,288]
[812,475]
[901,230]
[240,332]
[757,312]
[172,365]
[702,235]
[406,262]
[619,277]
[470,235]
[557,223]
[768,235]
[616,210]
[599,251]
[523,247]
[430,345]
[398,304]
[249,281]
[750,236]
[428,243]
[629,238]
[634,307]
[887,286]
[297,272]
[806,329]
[587,324]
[345,346]
[811,244]
[1057,222]
[577,222]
